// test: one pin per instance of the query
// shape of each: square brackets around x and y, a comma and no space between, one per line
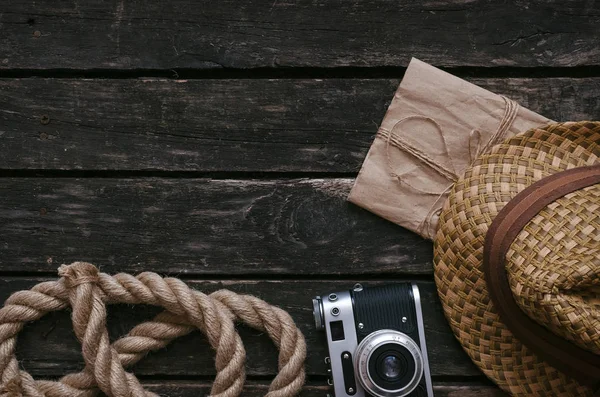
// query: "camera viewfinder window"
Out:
[337,330]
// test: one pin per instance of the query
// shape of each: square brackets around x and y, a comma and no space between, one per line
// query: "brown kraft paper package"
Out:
[436,125]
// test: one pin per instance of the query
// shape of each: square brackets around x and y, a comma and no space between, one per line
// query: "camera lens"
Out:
[390,367]
[388,364]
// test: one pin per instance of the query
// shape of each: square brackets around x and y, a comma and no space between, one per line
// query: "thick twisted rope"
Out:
[87,291]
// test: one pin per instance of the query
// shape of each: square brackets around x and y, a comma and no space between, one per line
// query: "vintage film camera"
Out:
[376,341]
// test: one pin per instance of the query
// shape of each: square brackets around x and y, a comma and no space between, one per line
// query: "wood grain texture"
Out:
[201,226]
[255,389]
[200,125]
[49,347]
[225,125]
[119,34]
[284,240]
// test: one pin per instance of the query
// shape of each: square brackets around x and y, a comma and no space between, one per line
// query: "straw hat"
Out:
[529,317]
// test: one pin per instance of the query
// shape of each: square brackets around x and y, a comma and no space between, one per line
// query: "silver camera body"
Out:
[376,341]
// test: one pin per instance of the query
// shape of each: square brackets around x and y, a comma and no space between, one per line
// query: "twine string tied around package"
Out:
[447,171]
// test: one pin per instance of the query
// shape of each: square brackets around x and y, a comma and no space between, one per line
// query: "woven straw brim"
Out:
[458,251]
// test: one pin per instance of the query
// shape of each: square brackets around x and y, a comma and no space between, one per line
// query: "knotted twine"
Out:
[87,291]
[450,173]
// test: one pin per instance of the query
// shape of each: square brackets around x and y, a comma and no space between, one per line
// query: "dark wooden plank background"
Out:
[201,226]
[225,125]
[253,389]
[98,34]
[217,141]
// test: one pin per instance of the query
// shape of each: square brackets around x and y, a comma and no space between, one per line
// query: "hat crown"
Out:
[487,186]
[553,267]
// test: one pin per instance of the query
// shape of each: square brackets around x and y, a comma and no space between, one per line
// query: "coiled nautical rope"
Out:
[87,291]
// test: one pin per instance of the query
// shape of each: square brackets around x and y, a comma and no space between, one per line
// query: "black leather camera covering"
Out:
[383,307]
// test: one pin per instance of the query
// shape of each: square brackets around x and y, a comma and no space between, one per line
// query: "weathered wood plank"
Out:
[49,348]
[224,125]
[252,389]
[99,34]
[200,226]
[200,125]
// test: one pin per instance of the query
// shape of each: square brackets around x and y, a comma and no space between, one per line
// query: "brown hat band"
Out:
[562,354]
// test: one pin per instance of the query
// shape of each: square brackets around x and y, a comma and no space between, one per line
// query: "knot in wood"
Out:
[87,291]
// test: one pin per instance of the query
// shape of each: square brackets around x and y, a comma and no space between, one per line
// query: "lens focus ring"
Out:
[388,363]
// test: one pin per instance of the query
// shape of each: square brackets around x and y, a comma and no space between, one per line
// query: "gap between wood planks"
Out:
[302,73]
[140,174]
[350,279]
